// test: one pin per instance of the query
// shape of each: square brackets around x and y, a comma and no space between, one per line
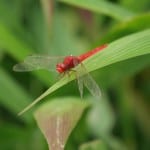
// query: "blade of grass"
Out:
[128,47]
[12,96]
[136,24]
[104,7]
[13,136]
[18,49]
[124,48]
[122,70]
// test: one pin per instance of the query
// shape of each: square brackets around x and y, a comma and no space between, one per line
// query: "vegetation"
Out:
[120,119]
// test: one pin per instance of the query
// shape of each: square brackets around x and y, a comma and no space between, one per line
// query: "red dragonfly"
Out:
[67,64]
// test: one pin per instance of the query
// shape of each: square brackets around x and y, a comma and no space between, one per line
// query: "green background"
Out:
[60,28]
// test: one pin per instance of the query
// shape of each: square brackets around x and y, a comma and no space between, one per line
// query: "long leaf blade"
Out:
[128,47]
[101,6]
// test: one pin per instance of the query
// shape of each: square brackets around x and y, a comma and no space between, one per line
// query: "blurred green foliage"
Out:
[64,27]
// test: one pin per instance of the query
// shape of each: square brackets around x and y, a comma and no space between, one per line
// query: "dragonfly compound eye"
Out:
[60,67]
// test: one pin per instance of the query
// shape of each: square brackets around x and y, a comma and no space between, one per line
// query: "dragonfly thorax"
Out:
[68,63]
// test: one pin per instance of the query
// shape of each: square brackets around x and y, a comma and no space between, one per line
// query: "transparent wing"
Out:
[84,78]
[80,83]
[92,86]
[36,62]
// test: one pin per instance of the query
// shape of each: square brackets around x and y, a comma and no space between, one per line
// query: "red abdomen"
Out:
[90,53]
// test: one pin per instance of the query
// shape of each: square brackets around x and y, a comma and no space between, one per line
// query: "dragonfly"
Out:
[63,65]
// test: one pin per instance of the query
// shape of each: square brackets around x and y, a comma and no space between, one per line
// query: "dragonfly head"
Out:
[68,63]
[60,68]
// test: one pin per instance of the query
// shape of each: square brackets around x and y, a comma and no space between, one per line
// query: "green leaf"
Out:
[140,6]
[122,70]
[7,16]
[57,118]
[94,145]
[124,48]
[15,137]
[136,24]
[12,96]
[18,49]
[101,118]
[101,6]
[128,47]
